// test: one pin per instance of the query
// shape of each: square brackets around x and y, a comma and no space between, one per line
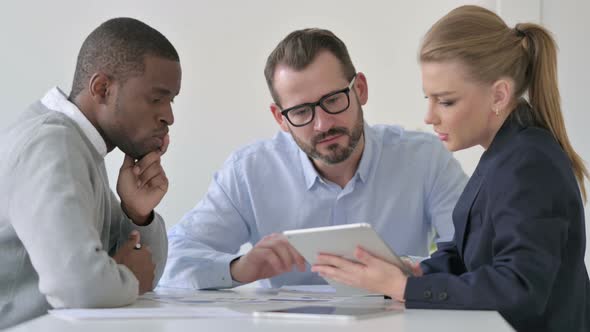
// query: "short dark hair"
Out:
[300,48]
[118,48]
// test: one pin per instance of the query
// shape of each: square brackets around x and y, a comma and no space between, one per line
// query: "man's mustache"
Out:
[331,132]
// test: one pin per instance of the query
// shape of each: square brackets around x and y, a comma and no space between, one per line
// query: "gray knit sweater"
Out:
[60,223]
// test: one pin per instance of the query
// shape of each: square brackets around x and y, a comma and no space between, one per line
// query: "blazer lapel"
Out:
[463,208]
[465,203]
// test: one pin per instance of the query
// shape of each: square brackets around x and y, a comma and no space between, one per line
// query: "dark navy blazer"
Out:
[519,238]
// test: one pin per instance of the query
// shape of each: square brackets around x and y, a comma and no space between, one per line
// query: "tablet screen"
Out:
[329,311]
[342,240]
[322,310]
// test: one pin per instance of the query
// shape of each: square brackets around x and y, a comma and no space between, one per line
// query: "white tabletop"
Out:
[403,320]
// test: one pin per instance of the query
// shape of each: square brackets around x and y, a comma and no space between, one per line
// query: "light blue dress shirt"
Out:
[406,187]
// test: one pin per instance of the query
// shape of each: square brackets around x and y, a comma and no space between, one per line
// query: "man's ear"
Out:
[279,118]
[99,87]
[361,88]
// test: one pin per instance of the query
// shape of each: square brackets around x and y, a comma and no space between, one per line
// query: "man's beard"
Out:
[337,152]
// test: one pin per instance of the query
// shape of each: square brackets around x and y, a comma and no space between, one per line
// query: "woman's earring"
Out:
[497,111]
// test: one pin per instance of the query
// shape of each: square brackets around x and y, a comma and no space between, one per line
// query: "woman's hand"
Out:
[371,273]
[412,266]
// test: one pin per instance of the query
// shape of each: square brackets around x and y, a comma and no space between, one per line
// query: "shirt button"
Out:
[427,294]
[443,296]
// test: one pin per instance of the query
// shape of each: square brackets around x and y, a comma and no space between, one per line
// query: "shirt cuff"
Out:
[152,233]
[220,272]
[234,282]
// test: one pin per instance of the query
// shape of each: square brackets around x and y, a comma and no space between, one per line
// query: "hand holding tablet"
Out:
[342,240]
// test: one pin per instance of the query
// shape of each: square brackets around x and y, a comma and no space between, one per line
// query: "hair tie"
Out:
[519,32]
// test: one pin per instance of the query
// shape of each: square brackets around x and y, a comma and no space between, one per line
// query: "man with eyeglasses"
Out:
[325,167]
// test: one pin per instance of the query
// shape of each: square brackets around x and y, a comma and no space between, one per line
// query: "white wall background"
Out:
[223,46]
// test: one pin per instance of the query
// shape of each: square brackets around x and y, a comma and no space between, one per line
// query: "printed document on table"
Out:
[163,312]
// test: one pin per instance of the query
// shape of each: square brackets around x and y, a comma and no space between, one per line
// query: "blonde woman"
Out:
[519,225]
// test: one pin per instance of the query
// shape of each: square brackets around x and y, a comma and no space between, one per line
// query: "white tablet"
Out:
[342,240]
[326,312]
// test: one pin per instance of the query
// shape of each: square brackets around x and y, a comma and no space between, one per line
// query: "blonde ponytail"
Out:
[490,50]
[543,91]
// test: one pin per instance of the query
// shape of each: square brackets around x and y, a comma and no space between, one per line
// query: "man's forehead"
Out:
[324,64]
[306,86]
[161,76]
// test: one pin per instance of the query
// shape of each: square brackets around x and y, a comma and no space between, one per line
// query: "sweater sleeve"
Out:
[55,212]
[153,235]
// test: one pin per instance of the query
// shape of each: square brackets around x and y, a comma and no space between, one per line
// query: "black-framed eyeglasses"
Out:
[332,103]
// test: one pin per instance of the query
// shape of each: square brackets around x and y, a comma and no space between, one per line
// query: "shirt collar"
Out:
[57,101]
[312,176]
[309,171]
[368,154]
